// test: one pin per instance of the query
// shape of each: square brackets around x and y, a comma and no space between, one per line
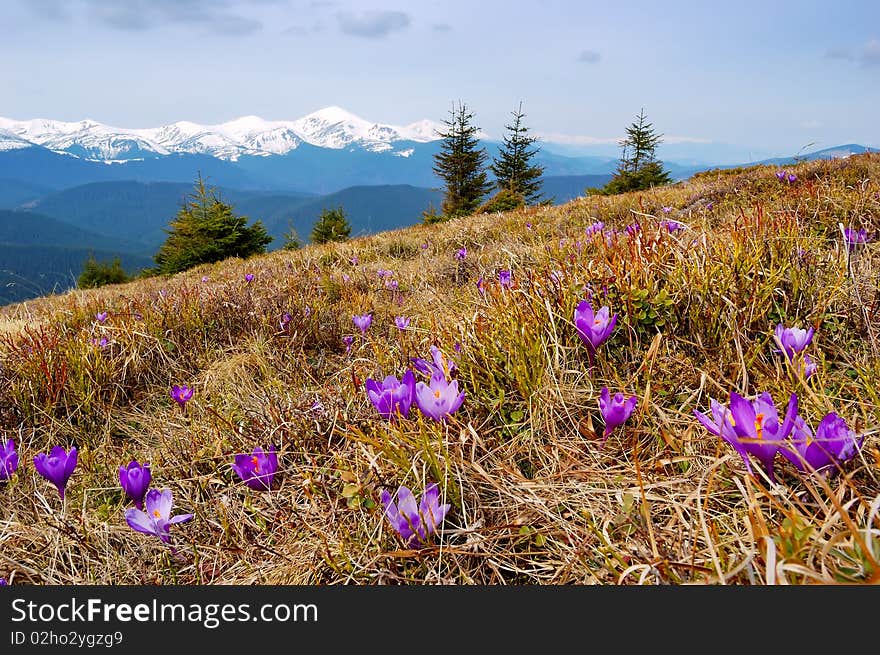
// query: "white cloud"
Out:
[583,140]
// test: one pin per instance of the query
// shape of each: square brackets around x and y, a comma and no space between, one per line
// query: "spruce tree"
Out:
[639,167]
[332,225]
[96,274]
[513,169]
[460,164]
[205,230]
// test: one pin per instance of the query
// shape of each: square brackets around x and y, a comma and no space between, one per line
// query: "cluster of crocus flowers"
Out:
[362,322]
[415,521]
[785,176]
[595,228]
[633,228]
[615,410]
[8,460]
[57,466]
[392,397]
[594,328]
[258,468]
[135,480]
[855,237]
[670,225]
[181,394]
[751,427]
[157,519]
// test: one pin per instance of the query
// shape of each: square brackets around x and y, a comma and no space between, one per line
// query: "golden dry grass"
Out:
[535,500]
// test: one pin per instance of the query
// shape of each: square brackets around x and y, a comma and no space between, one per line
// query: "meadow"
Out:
[699,275]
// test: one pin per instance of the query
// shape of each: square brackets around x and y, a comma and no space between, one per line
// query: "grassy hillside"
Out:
[537,494]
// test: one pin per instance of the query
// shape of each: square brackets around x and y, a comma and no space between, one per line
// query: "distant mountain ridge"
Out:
[331,127]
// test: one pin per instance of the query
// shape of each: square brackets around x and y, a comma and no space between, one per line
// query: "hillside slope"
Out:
[543,486]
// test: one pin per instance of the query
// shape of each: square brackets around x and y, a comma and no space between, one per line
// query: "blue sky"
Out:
[773,76]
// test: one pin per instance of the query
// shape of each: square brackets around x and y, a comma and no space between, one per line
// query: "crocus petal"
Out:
[139,521]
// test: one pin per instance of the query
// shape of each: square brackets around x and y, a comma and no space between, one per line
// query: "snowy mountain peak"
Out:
[330,127]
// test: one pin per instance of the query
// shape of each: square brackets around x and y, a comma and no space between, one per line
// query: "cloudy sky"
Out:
[773,75]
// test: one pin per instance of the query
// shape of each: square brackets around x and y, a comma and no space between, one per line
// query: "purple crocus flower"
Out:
[392,285]
[348,340]
[57,466]
[780,175]
[362,322]
[792,178]
[258,469]
[415,523]
[810,367]
[157,520]
[633,228]
[3,582]
[101,316]
[101,343]
[461,254]
[346,278]
[592,328]
[285,319]
[135,480]
[181,394]
[481,286]
[392,396]
[833,444]
[666,210]
[710,206]
[8,460]
[595,228]
[439,398]
[792,340]
[671,226]
[249,277]
[615,410]
[439,364]
[402,322]
[204,278]
[752,427]
[504,279]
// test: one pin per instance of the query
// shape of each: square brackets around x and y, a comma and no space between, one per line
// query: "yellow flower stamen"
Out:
[256,463]
[759,425]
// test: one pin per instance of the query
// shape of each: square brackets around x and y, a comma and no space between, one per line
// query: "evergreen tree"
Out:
[205,230]
[638,168]
[291,238]
[513,169]
[96,274]
[332,225]
[460,164]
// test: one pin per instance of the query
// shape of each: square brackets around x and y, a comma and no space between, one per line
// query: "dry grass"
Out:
[535,500]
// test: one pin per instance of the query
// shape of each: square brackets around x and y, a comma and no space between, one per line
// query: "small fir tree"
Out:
[638,168]
[513,169]
[332,225]
[460,164]
[205,230]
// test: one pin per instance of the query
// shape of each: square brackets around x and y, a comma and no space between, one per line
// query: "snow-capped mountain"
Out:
[332,127]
